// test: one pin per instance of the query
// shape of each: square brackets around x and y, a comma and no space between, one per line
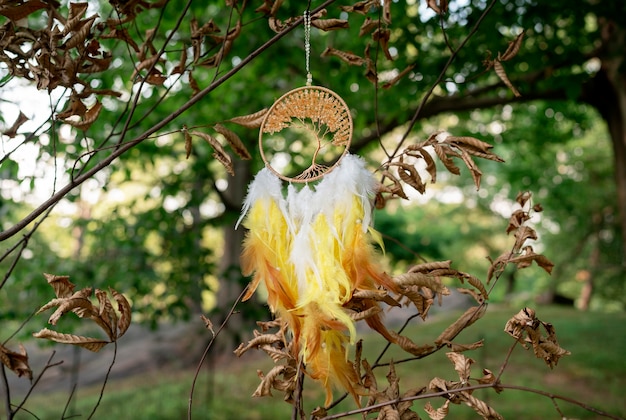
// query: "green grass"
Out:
[595,374]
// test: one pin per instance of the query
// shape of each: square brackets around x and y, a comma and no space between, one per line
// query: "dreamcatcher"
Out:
[311,245]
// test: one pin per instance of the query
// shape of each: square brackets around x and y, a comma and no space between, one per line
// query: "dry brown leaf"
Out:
[107,318]
[20,11]
[462,365]
[234,141]
[188,142]
[409,346]
[80,33]
[257,341]
[481,407]
[525,327]
[470,316]
[181,67]
[276,354]
[75,13]
[368,26]
[400,75]
[382,35]
[388,412]
[208,324]
[11,132]
[445,159]
[220,154]
[477,296]
[369,382]
[489,378]
[438,414]
[395,189]
[513,48]
[319,413]
[421,302]
[387,12]
[422,280]
[517,219]
[251,120]
[377,295]
[430,266]
[91,344]
[404,406]
[61,285]
[528,257]
[276,25]
[393,390]
[361,7]
[409,175]
[347,57]
[193,84]
[80,305]
[16,362]
[330,24]
[268,325]
[499,69]
[464,347]
[368,313]
[123,306]
[440,8]
[89,117]
[268,381]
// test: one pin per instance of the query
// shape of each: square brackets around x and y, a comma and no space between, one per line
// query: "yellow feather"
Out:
[312,250]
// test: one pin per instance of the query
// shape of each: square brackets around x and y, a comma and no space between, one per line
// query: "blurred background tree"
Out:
[155,218]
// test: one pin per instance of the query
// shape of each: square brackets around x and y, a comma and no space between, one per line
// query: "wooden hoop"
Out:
[315,112]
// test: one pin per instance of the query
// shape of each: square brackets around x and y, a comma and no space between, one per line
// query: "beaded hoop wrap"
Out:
[319,125]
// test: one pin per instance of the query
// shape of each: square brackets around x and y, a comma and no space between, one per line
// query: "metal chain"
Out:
[307,46]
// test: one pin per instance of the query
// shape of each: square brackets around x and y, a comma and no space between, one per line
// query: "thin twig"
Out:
[106,379]
[48,365]
[506,360]
[7,392]
[494,385]
[208,347]
[298,406]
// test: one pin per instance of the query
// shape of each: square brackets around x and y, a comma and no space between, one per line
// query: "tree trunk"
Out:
[230,272]
[594,262]
[607,94]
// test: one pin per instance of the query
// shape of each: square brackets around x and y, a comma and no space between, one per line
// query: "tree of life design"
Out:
[309,127]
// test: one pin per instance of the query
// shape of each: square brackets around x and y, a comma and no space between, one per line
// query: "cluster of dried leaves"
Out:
[403,171]
[421,286]
[522,253]
[80,304]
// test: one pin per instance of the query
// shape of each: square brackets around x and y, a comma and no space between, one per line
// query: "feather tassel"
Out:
[312,250]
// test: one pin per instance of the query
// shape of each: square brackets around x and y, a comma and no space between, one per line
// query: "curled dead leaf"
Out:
[91,344]
[409,346]
[501,72]
[61,285]
[470,316]
[17,362]
[347,57]
[330,24]
[513,48]
[11,132]
[234,141]
[251,120]
[219,152]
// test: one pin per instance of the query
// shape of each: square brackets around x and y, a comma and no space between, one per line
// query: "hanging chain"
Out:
[307,46]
